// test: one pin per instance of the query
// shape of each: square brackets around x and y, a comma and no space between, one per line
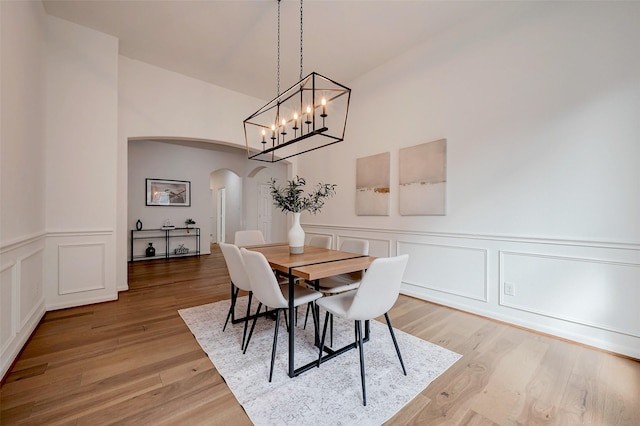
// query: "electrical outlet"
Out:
[509,289]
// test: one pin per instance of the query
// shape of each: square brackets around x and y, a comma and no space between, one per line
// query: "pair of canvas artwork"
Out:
[423,180]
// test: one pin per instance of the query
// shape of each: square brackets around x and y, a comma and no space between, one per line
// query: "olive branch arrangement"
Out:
[292,198]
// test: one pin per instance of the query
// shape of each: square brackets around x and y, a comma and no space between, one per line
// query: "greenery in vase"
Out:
[190,222]
[292,198]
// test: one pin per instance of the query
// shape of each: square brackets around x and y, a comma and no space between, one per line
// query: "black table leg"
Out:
[291,328]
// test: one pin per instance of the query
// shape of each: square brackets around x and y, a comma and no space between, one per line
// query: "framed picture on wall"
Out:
[166,192]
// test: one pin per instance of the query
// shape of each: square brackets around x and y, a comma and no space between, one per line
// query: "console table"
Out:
[173,242]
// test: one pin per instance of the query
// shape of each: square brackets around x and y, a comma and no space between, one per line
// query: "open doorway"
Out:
[226,188]
[265,211]
[221,215]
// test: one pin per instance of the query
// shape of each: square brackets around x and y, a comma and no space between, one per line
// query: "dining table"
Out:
[313,264]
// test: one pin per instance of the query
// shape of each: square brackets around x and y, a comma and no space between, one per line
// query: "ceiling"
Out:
[232,43]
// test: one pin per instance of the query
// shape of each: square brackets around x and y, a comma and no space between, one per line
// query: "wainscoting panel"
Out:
[591,292]
[81,268]
[8,321]
[456,270]
[21,294]
[379,247]
[584,291]
[30,273]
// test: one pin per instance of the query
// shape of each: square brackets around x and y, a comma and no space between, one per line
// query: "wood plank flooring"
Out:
[134,362]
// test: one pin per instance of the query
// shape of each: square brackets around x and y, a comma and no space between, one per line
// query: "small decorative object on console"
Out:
[181,249]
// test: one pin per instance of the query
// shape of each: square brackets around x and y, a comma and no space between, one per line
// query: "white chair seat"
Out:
[338,304]
[301,295]
[337,284]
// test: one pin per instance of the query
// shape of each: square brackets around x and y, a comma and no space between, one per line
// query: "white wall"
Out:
[22,174]
[59,129]
[80,197]
[539,107]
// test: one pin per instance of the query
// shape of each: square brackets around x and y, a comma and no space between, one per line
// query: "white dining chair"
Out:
[248,237]
[239,281]
[322,241]
[376,294]
[343,282]
[268,292]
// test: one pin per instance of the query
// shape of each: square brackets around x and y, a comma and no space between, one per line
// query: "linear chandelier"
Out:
[309,115]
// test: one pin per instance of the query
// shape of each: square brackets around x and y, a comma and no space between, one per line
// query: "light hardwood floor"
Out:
[134,362]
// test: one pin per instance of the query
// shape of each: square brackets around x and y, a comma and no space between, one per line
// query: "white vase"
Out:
[296,236]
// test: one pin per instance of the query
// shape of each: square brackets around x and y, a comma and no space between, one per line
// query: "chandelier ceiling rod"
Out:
[300,79]
[307,116]
[278,48]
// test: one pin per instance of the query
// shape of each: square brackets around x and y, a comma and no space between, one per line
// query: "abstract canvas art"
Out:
[372,185]
[423,179]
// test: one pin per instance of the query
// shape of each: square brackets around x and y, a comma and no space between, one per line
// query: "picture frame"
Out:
[168,192]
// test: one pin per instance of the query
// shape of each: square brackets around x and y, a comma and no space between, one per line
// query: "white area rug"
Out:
[331,394]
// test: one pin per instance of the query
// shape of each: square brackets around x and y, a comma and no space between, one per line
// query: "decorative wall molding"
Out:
[488,237]
[596,284]
[548,297]
[22,295]
[8,316]
[92,258]
[458,285]
[79,233]
[28,285]
[7,246]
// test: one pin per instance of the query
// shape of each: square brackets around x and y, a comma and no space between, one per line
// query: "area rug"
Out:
[331,394]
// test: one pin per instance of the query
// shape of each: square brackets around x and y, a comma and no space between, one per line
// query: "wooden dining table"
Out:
[315,263]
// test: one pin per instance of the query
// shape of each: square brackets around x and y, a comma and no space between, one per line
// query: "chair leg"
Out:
[306,316]
[359,334]
[232,308]
[331,335]
[275,343]
[246,323]
[253,325]
[395,342]
[316,322]
[324,334]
